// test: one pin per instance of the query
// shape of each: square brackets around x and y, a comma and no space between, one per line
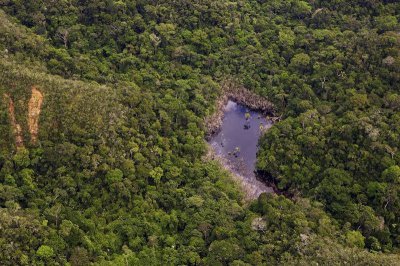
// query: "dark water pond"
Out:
[236,144]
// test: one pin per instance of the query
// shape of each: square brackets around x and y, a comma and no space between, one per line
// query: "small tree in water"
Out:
[247,124]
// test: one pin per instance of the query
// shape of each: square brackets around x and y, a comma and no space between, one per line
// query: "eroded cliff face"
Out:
[17,130]
[34,109]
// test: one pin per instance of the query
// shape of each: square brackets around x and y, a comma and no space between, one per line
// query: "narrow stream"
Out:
[236,145]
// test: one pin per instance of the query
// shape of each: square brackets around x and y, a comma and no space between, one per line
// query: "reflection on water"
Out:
[237,141]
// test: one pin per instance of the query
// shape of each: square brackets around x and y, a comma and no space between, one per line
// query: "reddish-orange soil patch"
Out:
[17,130]
[34,108]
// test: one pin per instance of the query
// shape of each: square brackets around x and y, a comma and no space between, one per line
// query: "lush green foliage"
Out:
[340,141]
[117,176]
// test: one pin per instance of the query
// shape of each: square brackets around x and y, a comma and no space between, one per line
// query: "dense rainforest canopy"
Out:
[102,132]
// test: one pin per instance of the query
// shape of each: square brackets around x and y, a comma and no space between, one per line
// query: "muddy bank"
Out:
[239,94]
[251,189]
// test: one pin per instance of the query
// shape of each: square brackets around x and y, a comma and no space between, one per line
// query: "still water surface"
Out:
[236,143]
